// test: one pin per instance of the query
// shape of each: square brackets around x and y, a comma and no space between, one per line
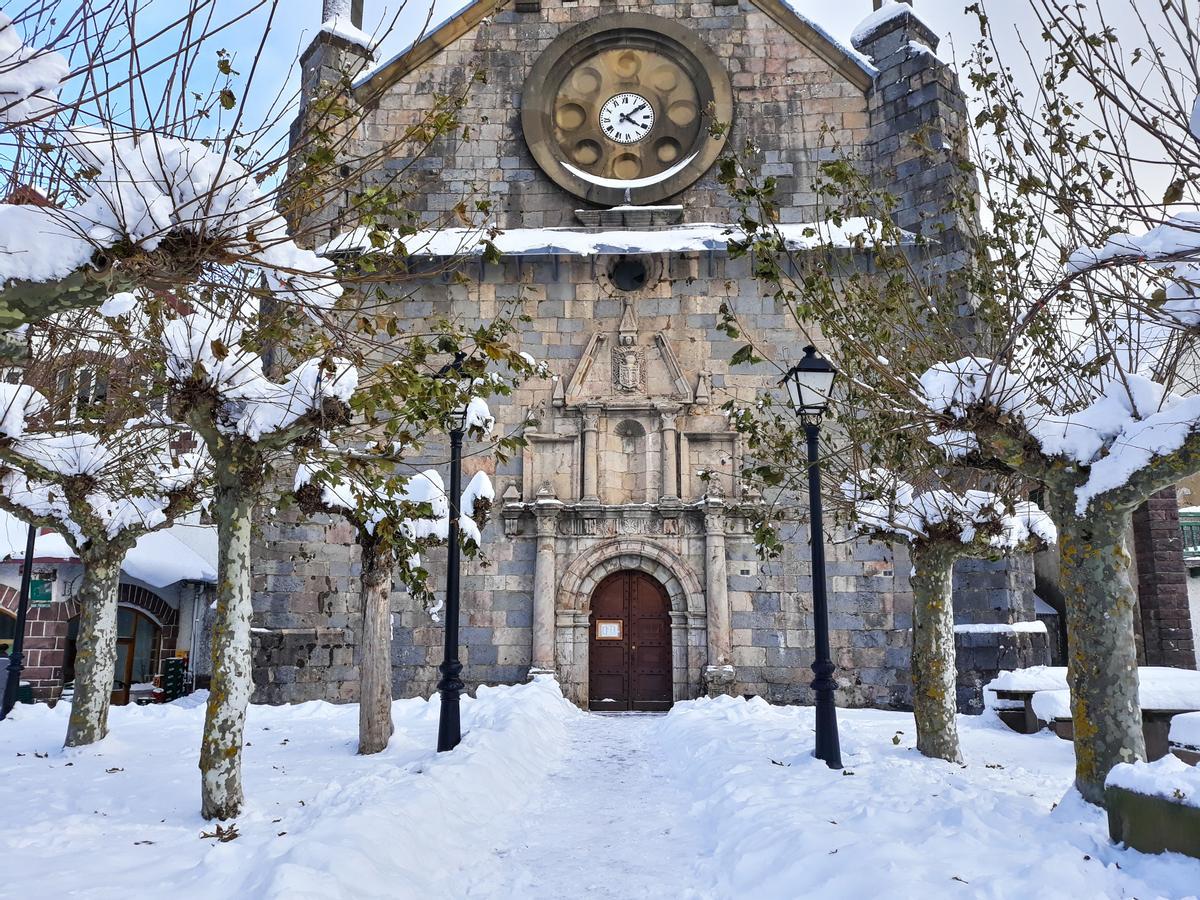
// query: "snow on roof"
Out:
[183,552]
[863,61]
[890,10]
[342,27]
[577,242]
[368,73]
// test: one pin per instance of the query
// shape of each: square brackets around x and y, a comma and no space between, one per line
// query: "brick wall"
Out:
[1165,618]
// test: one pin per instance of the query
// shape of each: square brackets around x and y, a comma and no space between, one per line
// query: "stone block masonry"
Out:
[632,465]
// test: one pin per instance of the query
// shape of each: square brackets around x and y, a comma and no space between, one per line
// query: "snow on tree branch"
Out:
[1130,423]
[885,505]
[29,78]
[187,202]
[205,352]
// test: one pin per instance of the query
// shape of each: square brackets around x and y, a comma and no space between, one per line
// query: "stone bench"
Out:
[1156,725]
[1184,737]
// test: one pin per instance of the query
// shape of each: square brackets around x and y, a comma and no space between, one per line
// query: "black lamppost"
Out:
[451,685]
[16,659]
[809,384]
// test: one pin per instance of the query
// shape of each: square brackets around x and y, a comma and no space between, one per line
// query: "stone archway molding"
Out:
[574,599]
[588,569]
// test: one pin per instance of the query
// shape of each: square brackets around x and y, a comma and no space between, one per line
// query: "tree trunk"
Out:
[96,656]
[225,720]
[1101,652]
[375,649]
[934,675]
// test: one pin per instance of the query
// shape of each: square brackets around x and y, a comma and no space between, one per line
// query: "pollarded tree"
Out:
[246,420]
[396,513]
[101,472]
[940,527]
[1065,366]
[393,523]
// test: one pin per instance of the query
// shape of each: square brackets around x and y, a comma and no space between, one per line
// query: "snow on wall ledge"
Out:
[448,242]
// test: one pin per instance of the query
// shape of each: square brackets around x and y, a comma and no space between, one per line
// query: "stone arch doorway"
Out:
[629,653]
[577,588]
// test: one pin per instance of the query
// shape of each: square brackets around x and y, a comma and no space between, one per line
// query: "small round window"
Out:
[628,273]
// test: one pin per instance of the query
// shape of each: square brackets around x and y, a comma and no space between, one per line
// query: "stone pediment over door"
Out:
[626,370]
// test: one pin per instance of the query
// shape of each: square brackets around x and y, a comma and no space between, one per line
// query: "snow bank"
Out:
[320,821]
[1169,777]
[896,824]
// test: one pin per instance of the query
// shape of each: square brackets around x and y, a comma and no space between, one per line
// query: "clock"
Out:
[626,118]
[621,109]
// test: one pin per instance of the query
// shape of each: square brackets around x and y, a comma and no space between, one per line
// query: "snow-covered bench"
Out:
[1163,693]
[1185,737]
[1013,692]
[1155,807]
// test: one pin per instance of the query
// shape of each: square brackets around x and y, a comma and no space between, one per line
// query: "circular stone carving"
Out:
[574,85]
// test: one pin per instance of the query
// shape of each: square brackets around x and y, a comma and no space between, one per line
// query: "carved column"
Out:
[719,674]
[591,427]
[545,581]
[670,469]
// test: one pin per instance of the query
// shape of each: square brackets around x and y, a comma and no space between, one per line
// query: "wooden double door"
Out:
[629,645]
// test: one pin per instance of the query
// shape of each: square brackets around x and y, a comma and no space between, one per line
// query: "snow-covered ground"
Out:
[719,799]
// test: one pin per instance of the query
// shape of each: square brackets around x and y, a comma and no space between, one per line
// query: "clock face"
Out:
[626,118]
[626,114]
[620,108]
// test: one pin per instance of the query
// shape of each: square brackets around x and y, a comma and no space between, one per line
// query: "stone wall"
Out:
[784,94]
[613,479]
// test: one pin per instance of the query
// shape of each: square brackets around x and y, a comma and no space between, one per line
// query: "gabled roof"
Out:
[853,66]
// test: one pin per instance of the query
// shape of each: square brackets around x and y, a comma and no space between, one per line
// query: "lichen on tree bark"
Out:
[96,656]
[225,718]
[934,674]
[1102,655]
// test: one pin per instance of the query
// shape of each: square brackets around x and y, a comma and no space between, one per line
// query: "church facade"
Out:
[620,556]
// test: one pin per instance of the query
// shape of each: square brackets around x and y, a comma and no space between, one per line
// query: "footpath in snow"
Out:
[719,799]
[613,820]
